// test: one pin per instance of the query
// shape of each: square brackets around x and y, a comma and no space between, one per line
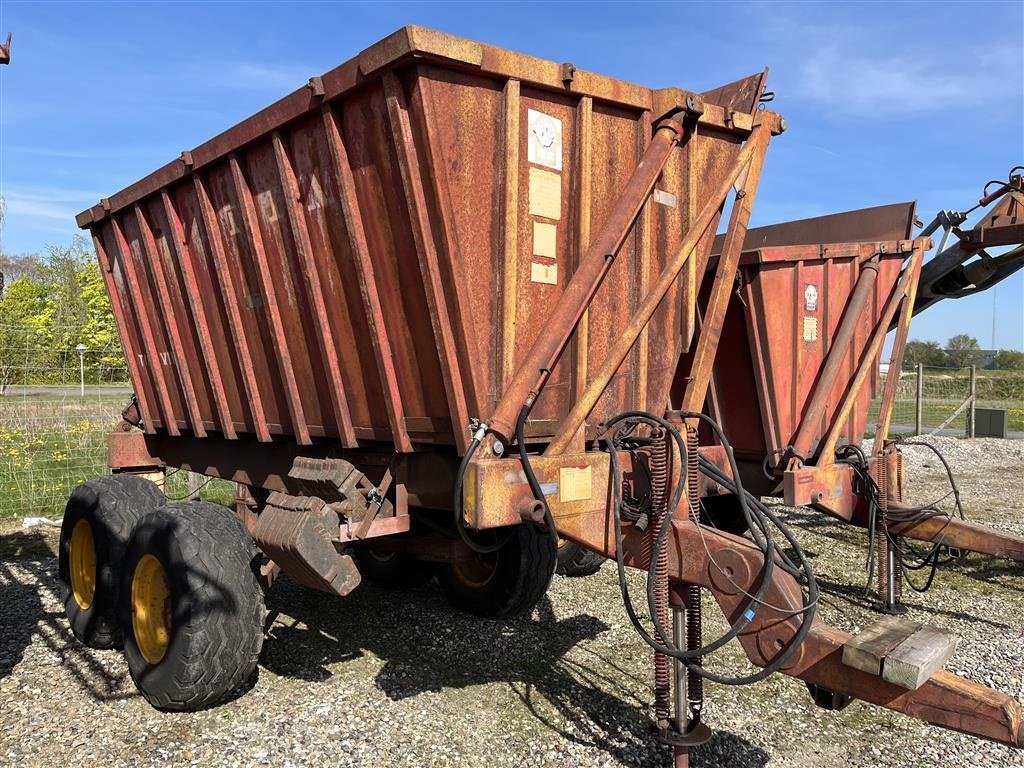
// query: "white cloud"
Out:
[848,78]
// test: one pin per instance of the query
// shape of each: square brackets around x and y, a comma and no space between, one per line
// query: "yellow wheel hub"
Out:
[151,608]
[82,557]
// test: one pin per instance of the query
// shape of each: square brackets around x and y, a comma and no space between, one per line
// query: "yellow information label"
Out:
[574,484]
[544,239]
[545,194]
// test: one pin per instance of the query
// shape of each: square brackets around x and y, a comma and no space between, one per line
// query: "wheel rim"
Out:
[476,572]
[82,558]
[151,609]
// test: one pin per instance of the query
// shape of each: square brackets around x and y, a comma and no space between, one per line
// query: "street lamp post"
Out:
[81,348]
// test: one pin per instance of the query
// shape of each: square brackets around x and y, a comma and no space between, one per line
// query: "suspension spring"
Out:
[659,503]
[694,615]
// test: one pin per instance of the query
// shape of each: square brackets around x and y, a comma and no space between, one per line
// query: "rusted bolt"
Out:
[694,105]
[531,510]
[316,85]
[186,159]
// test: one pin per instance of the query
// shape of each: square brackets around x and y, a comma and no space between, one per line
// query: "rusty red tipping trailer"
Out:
[444,300]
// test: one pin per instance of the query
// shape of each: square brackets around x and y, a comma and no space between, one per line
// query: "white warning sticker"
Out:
[543,273]
[545,137]
[664,198]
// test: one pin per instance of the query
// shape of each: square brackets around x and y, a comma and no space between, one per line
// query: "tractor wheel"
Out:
[574,560]
[724,513]
[98,521]
[191,607]
[505,583]
[391,570]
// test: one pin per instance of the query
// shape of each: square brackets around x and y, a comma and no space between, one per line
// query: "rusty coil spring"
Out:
[694,615]
[659,462]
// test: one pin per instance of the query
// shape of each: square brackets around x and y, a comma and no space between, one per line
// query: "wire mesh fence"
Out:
[931,399]
[57,407]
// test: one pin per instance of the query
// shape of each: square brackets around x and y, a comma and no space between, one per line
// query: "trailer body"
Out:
[367,260]
[322,302]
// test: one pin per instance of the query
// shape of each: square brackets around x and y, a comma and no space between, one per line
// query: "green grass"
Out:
[49,444]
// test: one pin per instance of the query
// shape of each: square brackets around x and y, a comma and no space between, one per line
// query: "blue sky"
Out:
[885,101]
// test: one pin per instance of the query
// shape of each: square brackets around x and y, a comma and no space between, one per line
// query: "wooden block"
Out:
[911,663]
[867,650]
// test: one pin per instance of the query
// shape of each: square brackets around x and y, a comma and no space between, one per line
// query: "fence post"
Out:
[194,484]
[919,401]
[972,394]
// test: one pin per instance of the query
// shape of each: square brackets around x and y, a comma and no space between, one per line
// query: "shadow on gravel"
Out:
[998,573]
[589,698]
[35,611]
[21,606]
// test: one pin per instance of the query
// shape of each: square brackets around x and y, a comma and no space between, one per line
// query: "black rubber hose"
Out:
[460,477]
[768,548]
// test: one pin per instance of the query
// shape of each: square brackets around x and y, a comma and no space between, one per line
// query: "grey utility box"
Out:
[991,422]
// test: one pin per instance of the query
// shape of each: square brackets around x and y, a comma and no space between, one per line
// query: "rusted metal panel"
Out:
[794,302]
[371,258]
[882,222]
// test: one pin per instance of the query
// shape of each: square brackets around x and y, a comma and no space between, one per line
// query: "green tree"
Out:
[99,331]
[63,277]
[924,352]
[962,350]
[1010,360]
[26,320]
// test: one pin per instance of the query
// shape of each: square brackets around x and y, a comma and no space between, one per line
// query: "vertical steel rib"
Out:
[229,298]
[725,271]
[585,181]
[279,340]
[176,240]
[826,454]
[899,346]
[412,183]
[509,223]
[127,343]
[315,293]
[367,281]
[619,348]
[644,236]
[157,266]
[148,338]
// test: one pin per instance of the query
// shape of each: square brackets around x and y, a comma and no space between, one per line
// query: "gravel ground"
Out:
[389,678]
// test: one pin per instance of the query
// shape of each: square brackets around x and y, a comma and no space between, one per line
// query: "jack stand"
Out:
[889,578]
[890,567]
[684,732]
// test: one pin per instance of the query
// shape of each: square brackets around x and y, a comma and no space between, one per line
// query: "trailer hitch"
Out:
[733,568]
